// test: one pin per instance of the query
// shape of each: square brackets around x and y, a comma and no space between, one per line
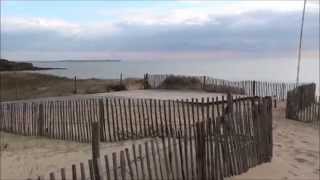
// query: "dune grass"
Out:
[25,85]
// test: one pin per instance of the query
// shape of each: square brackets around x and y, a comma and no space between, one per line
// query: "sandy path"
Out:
[147,94]
[166,94]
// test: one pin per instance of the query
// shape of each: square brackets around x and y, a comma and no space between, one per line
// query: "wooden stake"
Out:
[96,151]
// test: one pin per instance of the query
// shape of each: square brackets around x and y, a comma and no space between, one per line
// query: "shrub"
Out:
[181,82]
[117,87]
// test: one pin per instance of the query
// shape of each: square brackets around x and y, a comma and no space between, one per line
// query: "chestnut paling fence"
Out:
[190,139]
[303,104]
[250,87]
[310,113]
[120,118]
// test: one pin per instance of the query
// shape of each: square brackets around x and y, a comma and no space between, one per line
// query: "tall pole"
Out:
[319,53]
[300,42]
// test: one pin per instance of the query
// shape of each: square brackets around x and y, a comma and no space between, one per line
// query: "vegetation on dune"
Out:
[25,85]
[181,82]
[194,83]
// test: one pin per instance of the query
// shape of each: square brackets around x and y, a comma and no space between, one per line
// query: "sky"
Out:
[157,30]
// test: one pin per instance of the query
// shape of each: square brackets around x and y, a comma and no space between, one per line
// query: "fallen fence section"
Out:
[250,87]
[227,141]
[303,105]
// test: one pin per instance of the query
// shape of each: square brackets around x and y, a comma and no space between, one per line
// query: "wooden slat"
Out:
[106,160]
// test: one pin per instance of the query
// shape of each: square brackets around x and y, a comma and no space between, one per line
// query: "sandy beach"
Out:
[30,157]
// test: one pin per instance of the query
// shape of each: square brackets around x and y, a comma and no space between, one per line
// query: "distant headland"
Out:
[6,65]
[93,60]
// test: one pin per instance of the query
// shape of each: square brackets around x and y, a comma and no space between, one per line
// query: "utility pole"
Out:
[300,42]
[319,58]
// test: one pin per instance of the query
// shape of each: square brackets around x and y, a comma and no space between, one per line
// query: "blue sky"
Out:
[148,30]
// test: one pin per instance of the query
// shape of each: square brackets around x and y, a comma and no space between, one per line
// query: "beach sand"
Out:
[30,157]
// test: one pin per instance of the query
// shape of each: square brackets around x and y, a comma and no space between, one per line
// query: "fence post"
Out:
[283,92]
[255,113]
[204,82]
[230,103]
[0,87]
[16,84]
[200,150]
[75,85]
[270,120]
[120,78]
[318,106]
[254,88]
[102,120]
[96,151]
[40,120]
[146,83]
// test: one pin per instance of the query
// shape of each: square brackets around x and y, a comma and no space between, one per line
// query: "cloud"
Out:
[237,7]
[173,17]
[32,24]
[16,24]
[180,33]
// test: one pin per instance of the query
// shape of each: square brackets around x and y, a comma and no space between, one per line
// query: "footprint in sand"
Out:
[296,167]
[300,160]
[18,158]
[311,155]
[306,142]
[292,173]
[297,151]
[278,145]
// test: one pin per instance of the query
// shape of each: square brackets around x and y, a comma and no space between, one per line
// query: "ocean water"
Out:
[266,70]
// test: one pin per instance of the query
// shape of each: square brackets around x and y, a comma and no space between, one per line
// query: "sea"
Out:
[283,70]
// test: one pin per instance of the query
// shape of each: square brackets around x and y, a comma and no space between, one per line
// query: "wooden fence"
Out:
[303,105]
[120,118]
[219,145]
[252,88]
[310,113]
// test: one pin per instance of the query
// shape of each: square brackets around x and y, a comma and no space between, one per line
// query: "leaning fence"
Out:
[251,88]
[209,140]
